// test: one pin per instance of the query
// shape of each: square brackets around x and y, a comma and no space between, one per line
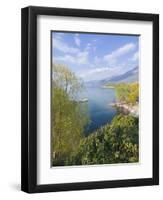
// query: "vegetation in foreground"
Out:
[116,142]
[113,143]
[69,117]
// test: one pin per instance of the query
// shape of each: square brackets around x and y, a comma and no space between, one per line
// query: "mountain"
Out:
[127,77]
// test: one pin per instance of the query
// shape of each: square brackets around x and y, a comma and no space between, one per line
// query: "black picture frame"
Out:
[29,99]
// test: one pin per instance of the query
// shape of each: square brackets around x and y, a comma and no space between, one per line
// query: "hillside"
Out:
[127,77]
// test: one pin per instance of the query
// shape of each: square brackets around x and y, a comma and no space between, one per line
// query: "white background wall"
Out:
[10,85]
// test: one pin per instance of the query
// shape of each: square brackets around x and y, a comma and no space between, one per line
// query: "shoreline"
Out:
[131,109]
[107,87]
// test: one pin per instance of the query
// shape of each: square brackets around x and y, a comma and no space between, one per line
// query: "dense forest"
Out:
[115,142]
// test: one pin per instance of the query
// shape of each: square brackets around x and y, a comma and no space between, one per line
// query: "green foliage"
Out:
[66,80]
[69,117]
[114,143]
[127,93]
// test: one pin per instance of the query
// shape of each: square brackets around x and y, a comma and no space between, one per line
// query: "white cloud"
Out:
[98,73]
[114,55]
[135,57]
[59,44]
[100,69]
[71,54]
[79,58]
[64,58]
[77,40]
[82,57]
[59,34]
[88,46]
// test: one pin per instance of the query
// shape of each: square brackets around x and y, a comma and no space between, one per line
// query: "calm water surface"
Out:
[100,111]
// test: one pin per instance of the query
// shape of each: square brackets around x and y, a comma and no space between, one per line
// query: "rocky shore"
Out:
[131,109]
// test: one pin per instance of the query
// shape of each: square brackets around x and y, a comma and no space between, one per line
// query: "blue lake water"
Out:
[100,112]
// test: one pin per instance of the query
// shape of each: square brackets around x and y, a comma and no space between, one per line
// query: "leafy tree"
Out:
[69,117]
[133,97]
[66,80]
[114,143]
[127,93]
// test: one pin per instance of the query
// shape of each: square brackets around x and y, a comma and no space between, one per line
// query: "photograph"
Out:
[89,99]
[94,98]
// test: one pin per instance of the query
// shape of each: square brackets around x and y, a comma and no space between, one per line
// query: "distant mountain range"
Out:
[127,77]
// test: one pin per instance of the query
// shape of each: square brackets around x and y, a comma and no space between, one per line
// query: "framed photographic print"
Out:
[90,99]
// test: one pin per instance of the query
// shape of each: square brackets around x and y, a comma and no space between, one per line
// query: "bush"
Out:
[114,143]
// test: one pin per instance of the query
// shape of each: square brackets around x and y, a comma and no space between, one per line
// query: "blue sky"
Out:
[95,56]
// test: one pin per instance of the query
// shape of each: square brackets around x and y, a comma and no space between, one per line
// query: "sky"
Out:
[95,56]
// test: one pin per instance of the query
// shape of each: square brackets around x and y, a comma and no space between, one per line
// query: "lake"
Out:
[100,112]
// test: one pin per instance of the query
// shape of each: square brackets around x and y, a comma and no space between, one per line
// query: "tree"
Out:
[133,96]
[113,143]
[69,116]
[66,80]
[127,93]
[122,92]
